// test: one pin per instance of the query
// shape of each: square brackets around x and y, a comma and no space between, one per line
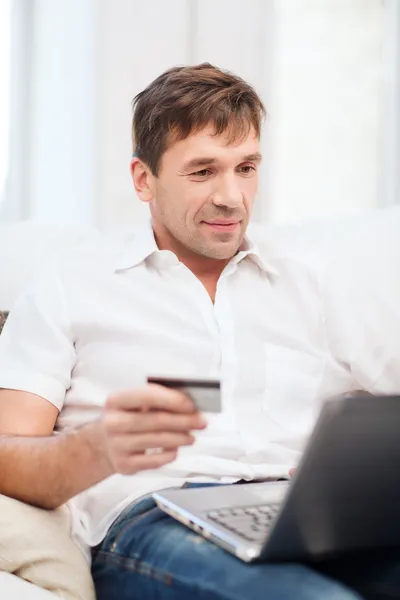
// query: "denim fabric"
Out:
[147,555]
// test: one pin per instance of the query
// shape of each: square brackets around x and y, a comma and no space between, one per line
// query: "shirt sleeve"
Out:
[361,295]
[36,347]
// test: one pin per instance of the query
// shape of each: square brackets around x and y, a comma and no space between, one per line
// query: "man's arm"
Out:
[46,470]
[361,297]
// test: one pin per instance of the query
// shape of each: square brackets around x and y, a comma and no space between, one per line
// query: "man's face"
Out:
[204,192]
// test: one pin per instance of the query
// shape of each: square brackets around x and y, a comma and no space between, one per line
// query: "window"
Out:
[5,60]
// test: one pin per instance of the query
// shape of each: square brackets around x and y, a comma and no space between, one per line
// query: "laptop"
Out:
[343,497]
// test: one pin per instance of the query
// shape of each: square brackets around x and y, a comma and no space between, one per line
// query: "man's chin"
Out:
[220,246]
[220,251]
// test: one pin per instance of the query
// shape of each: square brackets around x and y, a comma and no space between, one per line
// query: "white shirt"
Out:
[121,310]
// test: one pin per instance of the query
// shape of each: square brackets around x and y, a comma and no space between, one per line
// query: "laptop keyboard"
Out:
[250,522]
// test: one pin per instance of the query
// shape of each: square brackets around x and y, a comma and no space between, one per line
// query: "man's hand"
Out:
[48,470]
[292,471]
[143,429]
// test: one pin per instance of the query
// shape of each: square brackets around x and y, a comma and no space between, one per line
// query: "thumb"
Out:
[292,471]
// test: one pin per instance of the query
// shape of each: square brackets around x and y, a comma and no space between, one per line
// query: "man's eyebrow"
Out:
[256,157]
[196,163]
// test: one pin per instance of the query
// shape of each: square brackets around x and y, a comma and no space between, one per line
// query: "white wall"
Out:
[325,107]
[316,63]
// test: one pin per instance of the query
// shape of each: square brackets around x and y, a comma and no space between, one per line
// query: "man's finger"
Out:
[119,422]
[152,397]
[146,441]
[143,462]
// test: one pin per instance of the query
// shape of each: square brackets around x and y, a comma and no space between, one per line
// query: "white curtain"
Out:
[5,79]
[15,106]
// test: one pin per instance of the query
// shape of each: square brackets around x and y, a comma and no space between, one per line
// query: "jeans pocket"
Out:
[135,511]
[130,524]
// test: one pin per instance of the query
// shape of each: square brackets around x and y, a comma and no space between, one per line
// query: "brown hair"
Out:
[184,100]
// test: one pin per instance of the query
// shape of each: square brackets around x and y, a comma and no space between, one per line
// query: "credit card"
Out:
[205,393]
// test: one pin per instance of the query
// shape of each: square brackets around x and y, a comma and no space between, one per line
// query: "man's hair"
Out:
[184,100]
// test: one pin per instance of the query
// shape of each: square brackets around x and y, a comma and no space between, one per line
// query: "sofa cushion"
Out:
[36,545]
[3,317]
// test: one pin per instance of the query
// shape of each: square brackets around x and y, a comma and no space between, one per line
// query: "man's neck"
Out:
[207,270]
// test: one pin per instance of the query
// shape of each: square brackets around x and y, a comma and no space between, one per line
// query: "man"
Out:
[191,296]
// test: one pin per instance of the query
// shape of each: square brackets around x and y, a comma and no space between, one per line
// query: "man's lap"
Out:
[146,554]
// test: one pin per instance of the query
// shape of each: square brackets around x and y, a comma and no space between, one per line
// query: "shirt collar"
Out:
[252,250]
[140,245]
[136,247]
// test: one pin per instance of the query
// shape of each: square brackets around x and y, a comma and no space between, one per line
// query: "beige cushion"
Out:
[36,545]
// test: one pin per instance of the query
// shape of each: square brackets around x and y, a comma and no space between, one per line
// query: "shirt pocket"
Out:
[292,381]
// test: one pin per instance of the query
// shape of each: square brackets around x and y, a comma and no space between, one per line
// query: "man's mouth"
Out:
[223,224]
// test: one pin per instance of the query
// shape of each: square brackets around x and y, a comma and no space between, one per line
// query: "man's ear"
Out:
[142,179]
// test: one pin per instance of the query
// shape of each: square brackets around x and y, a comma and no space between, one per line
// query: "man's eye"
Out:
[202,173]
[247,169]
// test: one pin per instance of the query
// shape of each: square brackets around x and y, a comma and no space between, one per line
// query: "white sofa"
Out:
[14,588]
[23,248]
[24,245]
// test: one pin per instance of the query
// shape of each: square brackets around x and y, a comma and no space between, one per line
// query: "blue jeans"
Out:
[147,555]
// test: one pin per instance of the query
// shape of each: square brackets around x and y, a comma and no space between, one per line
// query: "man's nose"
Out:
[229,193]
